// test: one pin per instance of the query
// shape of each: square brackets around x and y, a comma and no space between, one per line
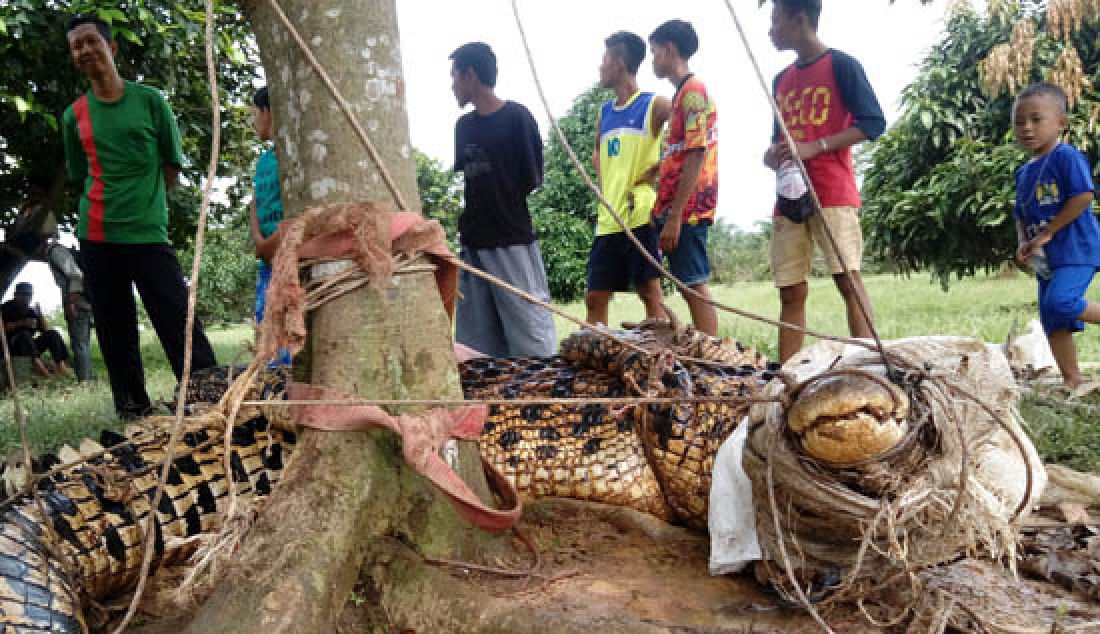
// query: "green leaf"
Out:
[129,35]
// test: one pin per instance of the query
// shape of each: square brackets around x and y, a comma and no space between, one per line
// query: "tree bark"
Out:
[345,494]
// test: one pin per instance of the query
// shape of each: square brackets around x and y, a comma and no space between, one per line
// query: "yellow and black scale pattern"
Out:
[98,510]
[655,458]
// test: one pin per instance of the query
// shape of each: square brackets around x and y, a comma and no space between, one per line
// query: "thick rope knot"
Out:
[374,237]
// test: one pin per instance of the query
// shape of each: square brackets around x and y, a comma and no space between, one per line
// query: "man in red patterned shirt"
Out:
[687,192]
[829,106]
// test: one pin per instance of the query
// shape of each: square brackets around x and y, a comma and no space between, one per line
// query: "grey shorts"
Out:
[495,321]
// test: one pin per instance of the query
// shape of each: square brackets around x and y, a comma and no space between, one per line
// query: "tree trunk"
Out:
[345,495]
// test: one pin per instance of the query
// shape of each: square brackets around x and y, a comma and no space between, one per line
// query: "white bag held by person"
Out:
[793,196]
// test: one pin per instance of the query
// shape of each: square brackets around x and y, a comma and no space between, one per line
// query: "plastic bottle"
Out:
[1039,264]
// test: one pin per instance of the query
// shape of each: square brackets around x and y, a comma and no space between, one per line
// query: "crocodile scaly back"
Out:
[97,512]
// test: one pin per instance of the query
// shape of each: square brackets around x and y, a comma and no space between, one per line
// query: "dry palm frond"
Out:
[1093,117]
[1065,17]
[1008,66]
[1002,10]
[1069,74]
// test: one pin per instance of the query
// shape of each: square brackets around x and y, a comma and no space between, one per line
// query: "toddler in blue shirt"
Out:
[1058,233]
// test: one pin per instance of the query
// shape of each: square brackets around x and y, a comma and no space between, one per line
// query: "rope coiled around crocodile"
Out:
[654,458]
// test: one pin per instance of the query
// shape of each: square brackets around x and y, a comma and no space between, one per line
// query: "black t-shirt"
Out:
[501,157]
[12,312]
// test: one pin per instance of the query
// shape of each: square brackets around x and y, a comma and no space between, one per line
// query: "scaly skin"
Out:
[98,511]
[654,458]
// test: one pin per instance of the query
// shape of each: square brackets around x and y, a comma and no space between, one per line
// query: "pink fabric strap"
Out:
[422,436]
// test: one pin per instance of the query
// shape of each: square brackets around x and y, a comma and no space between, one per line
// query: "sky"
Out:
[566,39]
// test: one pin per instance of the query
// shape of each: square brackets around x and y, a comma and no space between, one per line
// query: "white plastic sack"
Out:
[731,520]
[1029,354]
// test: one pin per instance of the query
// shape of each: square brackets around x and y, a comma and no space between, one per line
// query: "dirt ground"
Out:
[610,570]
[617,569]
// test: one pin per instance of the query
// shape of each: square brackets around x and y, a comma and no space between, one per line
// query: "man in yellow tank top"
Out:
[626,155]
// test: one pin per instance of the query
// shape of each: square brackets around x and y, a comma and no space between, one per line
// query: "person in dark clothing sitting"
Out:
[30,336]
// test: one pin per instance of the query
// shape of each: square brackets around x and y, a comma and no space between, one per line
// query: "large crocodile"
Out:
[656,458]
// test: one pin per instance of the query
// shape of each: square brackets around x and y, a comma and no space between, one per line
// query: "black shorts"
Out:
[615,263]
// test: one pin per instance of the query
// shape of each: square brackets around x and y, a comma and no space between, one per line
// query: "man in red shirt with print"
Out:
[687,190]
[829,106]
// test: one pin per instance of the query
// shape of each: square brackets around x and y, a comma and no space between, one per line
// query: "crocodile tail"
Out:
[36,592]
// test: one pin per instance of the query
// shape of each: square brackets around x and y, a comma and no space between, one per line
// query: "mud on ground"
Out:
[610,570]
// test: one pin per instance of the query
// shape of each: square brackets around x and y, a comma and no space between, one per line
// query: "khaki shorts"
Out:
[792,246]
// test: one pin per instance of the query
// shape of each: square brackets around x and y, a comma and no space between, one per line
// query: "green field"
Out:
[983,307]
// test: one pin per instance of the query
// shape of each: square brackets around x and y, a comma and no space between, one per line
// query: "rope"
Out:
[53,542]
[789,140]
[344,107]
[520,402]
[32,478]
[947,398]
[192,296]
[657,264]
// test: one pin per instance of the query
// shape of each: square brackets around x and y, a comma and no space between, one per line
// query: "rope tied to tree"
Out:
[905,510]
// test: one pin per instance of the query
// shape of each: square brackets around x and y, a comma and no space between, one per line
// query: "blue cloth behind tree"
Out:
[269,201]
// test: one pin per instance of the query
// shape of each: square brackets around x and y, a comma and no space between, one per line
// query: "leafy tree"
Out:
[938,193]
[440,193]
[564,208]
[160,44]
[737,255]
[228,277]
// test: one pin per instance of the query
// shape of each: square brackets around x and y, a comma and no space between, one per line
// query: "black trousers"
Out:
[25,344]
[111,272]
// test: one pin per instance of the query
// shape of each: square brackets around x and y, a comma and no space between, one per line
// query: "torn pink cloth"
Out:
[464,353]
[410,233]
[422,437]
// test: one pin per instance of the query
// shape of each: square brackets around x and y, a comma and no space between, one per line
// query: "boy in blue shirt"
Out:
[267,204]
[1054,221]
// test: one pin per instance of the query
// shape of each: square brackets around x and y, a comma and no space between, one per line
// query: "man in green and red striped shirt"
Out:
[122,143]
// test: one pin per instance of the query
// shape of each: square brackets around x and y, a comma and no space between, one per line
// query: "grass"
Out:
[61,411]
[983,307]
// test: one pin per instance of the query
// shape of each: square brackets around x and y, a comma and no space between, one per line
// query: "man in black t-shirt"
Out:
[499,151]
[21,322]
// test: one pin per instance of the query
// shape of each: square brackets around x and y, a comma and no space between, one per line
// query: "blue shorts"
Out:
[1062,298]
[263,280]
[615,264]
[689,262]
